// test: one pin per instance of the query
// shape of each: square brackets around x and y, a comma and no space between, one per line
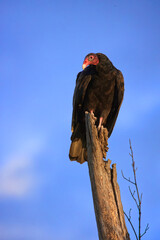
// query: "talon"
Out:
[100,123]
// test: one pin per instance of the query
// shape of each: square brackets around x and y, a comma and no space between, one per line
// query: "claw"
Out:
[100,123]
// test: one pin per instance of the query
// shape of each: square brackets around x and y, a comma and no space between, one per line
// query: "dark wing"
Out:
[118,97]
[82,81]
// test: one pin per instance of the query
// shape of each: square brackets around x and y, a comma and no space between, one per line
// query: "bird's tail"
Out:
[77,150]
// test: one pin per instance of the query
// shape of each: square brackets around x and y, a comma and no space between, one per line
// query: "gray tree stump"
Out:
[105,189]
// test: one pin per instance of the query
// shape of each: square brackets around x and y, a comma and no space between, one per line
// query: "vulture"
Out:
[99,90]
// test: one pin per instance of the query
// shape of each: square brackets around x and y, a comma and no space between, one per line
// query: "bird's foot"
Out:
[100,123]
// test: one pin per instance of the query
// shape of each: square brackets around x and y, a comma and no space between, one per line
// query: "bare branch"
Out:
[131,225]
[127,179]
[132,194]
[137,200]
[130,213]
[141,196]
[146,229]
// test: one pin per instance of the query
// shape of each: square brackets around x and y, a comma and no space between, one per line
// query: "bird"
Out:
[99,90]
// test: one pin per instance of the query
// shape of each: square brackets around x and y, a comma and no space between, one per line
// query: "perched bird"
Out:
[99,89]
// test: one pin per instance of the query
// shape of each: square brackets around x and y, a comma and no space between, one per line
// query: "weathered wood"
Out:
[105,190]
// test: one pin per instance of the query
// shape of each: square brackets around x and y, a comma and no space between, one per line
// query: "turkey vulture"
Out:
[99,90]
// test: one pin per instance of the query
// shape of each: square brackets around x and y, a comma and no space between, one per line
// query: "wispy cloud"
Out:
[17,175]
[16,179]
[38,232]
[19,231]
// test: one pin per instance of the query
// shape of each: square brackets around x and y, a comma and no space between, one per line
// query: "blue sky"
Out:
[43,195]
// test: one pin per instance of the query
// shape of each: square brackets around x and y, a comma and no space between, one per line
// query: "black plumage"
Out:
[99,89]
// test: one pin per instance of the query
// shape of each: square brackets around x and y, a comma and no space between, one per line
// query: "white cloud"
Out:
[17,176]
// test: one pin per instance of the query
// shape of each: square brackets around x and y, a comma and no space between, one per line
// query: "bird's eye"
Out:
[90,58]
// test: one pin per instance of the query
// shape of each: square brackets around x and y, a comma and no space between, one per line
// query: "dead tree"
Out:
[105,189]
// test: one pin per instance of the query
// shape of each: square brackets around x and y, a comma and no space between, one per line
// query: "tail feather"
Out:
[77,150]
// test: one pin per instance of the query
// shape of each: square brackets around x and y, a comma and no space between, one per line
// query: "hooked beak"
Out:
[84,66]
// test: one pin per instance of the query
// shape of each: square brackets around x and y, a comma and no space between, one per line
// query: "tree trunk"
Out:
[105,189]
